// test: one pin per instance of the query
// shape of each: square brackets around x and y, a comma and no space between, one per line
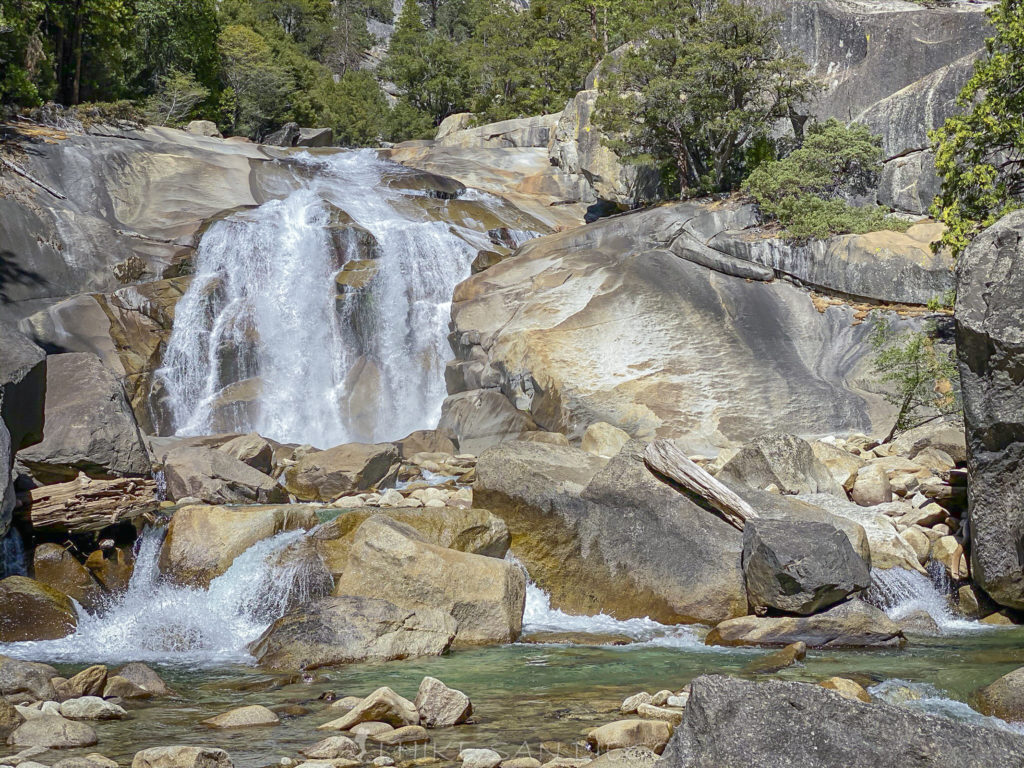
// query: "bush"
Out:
[807,192]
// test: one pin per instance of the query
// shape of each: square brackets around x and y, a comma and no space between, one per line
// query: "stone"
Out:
[383,761]
[342,470]
[425,441]
[243,717]
[621,734]
[651,712]
[630,703]
[92,760]
[486,596]
[22,388]
[119,688]
[10,719]
[847,688]
[370,728]
[381,706]
[800,567]
[918,541]
[30,610]
[285,136]
[332,748]
[778,660]
[578,523]
[440,706]
[91,708]
[344,630]
[251,449]
[315,137]
[521,762]
[214,477]
[204,128]
[202,541]
[550,438]
[532,131]
[181,757]
[479,758]
[408,734]
[841,464]
[950,554]
[853,624]
[89,682]
[944,436]
[52,732]
[482,418]
[56,567]
[871,486]
[786,461]
[990,352]
[90,426]
[26,680]
[145,678]
[734,722]
[661,697]
[1003,698]
[602,439]
[630,757]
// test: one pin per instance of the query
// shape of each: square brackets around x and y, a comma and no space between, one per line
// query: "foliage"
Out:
[807,191]
[170,38]
[921,375]
[699,89]
[176,98]
[980,153]
[260,86]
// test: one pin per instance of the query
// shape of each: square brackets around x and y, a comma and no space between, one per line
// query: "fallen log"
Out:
[663,458]
[86,504]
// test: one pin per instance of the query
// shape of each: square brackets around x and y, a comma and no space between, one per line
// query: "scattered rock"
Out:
[344,469]
[145,678]
[440,706]
[847,689]
[382,706]
[521,762]
[30,610]
[871,486]
[652,734]
[215,477]
[52,732]
[1003,698]
[602,439]
[26,680]
[251,449]
[370,728]
[408,734]
[244,717]
[425,441]
[204,128]
[841,464]
[89,682]
[785,461]
[332,748]
[631,757]
[630,703]
[651,712]
[181,757]
[10,719]
[777,660]
[93,760]
[91,708]
[479,758]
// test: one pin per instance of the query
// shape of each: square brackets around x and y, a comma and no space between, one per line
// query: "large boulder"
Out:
[853,624]
[990,352]
[23,681]
[785,461]
[90,426]
[440,706]
[56,567]
[1003,698]
[734,723]
[486,596]
[381,706]
[522,132]
[22,386]
[30,610]
[52,732]
[482,418]
[798,567]
[609,537]
[215,477]
[181,757]
[202,541]
[346,630]
[343,469]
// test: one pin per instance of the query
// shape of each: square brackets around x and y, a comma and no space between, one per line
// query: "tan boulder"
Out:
[408,734]
[841,464]
[10,719]
[332,748]
[251,449]
[202,541]
[603,439]
[440,706]
[52,732]
[89,682]
[1003,698]
[950,554]
[381,706]
[773,662]
[651,712]
[181,757]
[653,734]
[145,678]
[486,596]
[847,688]
[30,610]
[344,469]
[54,566]
[871,486]
[243,717]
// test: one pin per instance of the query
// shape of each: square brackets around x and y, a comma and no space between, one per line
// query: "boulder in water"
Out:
[91,708]
[785,461]
[215,477]
[89,682]
[1003,698]
[800,567]
[652,734]
[23,681]
[847,688]
[181,757]
[30,610]
[343,469]
[381,706]
[345,630]
[145,678]
[440,706]
[52,732]
[853,624]
[777,660]
[332,748]
[92,760]
[486,596]
[407,734]
[243,717]
[733,723]
[56,567]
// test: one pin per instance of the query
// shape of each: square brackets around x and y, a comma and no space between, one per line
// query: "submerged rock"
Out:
[30,610]
[244,717]
[332,748]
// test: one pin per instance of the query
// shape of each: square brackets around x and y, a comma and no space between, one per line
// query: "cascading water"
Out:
[156,620]
[262,342]
[902,593]
[12,555]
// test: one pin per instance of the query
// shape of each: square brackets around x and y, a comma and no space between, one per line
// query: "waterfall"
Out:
[265,340]
[12,555]
[901,593]
[156,620]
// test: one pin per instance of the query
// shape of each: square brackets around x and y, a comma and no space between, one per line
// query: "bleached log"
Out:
[86,504]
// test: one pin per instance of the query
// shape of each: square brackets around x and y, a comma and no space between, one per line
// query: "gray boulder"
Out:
[482,418]
[345,630]
[990,352]
[22,387]
[23,681]
[181,757]
[214,477]
[785,461]
[733,723]
[286,136]
[315,137]
[343,469]
[440,706]
[90,426]
[52,732]
[799,567]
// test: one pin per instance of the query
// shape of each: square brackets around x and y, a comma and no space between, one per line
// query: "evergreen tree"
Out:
[178,37]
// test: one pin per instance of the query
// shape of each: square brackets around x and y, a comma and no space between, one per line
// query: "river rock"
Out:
[119,688]
[10,719]
[871,486]
[479,758]
[799,567]
[30,610]
[440,706]
[630,703]
[381,706]
[777,660]
[408,734]
[214,477]
[243,717]
[990,351]
[486,596]
[202,541]
[93,760]
[609,537]
[26,680]
[251,449]
[344,469]
[56,567]
[841,464]
[89,682]
[630,757]
[145,678]
[847,689]
[482,418]
[425,441]
[733,723]
[181,757]
[785,461]
[91,708]
[1003,698]
[52,732]
[475,531]
[90,426]
[602,439]
[370,728]
[652,734]
[853,624]
[332,748]
[344,630]
[651,712]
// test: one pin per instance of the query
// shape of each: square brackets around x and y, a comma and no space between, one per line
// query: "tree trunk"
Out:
[77,44]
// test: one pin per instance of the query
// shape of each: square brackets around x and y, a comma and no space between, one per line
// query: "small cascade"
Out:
[156,620]
[902,593]
[926,698]
[12,555]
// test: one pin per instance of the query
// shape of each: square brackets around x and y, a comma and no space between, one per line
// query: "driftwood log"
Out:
[86,504]
[663,458]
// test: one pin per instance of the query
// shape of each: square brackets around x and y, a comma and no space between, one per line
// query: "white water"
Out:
[902,593]
[157,621]
[262,307]
[926,698]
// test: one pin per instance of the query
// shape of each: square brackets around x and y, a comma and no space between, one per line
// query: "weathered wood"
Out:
[26,175]
[86,504]
[663,458]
